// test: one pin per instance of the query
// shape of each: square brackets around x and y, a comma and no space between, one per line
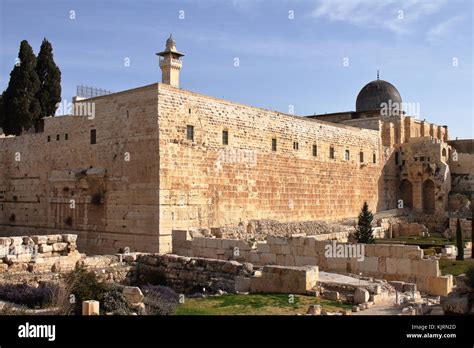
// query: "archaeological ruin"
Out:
[218,195]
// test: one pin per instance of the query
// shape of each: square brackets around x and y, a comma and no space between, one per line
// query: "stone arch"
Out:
[406,193]
[428,193]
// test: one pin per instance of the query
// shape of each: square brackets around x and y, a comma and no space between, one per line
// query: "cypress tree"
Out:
[364,231]
[49,75]
[21,108]
[459,242]
[1,111]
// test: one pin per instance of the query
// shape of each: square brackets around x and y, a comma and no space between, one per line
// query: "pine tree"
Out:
[364,231]
[49,75]
[21,107]
[459,242]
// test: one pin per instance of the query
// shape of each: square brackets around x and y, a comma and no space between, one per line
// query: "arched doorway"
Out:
[428,196]
[406,193]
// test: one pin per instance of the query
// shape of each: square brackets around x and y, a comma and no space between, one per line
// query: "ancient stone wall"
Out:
[390,262]
[466,227]
[205,183]
[107,193]
[38,253]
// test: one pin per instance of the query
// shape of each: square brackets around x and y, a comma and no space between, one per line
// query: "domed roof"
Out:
[373,94]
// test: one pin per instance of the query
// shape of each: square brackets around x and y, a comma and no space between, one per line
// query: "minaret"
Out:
[170,63]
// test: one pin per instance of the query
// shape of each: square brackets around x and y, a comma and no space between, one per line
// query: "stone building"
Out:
[127,168]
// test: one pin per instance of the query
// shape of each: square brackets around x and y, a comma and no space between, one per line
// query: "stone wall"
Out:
[202,275]
[106,193]
[38,253]
[390,262]
[466,227]
[204,183]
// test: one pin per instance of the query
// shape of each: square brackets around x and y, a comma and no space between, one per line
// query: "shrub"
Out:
[27,295]
[160,300]
[84,286]
[114,301]
[470,277]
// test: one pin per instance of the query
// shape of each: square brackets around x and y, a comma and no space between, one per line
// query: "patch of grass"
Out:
[432,241]
[455,267]
[254,304]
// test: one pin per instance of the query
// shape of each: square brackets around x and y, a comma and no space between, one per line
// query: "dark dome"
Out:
[373,94]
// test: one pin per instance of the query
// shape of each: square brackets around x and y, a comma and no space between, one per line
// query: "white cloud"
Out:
[397,16]
[443,30]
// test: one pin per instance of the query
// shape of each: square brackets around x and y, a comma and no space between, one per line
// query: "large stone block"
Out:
[391,265]
[133,294]
[425,268]
[54,238]
[439,286]
[40,239]
[382,250]
[369,265]
[412,252]
[361,295]
[69,238]
[44,248]
[404,266]
[15,241]
[5,241]
[242,284]
[59,246]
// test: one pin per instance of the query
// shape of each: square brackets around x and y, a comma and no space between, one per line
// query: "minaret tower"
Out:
[170,63]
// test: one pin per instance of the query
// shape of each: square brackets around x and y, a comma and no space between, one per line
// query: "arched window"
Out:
[443,153]
[346,155]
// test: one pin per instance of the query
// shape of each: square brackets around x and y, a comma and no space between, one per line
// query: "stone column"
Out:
[90,307]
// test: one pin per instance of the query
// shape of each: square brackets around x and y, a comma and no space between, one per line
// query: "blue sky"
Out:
[284,61]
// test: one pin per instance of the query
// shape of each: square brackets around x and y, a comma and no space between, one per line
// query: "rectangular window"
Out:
[315,150]
[57,137]
[295,145]
[274,144]
[347,155]
[331,152]
[190,132]
[374,159]
[361,157]
[225,137]
[93,136]
[66,136]
[49,138]
[422,158]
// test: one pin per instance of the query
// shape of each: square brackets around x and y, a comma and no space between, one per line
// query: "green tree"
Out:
[1,111]
[364,232]
[49,94]
[459,242]
[21,108]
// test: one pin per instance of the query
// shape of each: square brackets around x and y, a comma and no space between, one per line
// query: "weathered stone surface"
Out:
[40,239]
[133,294]
[44,248]
[54,238]
[458,304]
[16,241]
[361,296]
[59,246]
[69,238]
[314,310]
